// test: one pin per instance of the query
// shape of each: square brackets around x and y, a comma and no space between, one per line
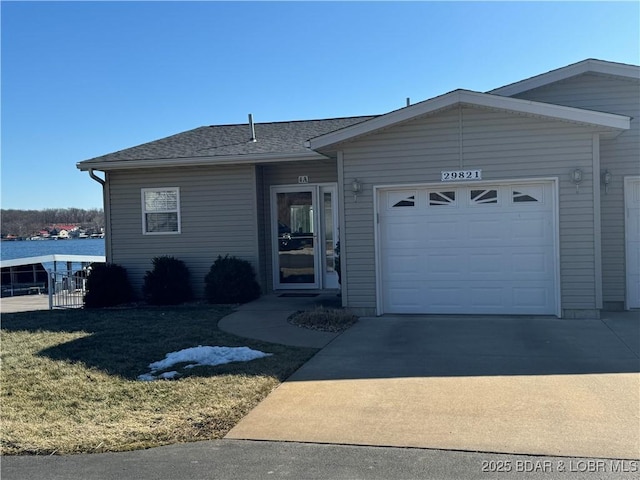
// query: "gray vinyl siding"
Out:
[323,171]
[621,156]
[262,209]
[218,217]
[504,146]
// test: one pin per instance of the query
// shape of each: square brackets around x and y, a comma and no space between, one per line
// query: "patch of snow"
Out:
[200,356]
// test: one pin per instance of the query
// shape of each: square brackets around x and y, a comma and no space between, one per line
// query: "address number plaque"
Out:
[460,175]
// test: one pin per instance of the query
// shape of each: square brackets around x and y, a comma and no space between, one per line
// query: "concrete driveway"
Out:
[540,386]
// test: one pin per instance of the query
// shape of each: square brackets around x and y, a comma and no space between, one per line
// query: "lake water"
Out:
[36,248]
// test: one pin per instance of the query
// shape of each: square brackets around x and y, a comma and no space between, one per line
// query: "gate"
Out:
[67,288]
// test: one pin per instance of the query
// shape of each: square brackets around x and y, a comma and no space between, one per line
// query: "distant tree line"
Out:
[25,223]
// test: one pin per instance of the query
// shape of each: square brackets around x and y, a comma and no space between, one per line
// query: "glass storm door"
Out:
[305,235]
[296,260]
[329,221]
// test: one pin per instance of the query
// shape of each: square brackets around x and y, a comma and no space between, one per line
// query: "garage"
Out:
[468,249]
[632,234]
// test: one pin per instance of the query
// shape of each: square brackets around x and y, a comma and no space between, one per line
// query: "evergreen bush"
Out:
[107,286]
[231,280]
[168,282]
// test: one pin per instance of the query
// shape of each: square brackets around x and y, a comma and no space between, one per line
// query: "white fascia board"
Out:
[467,97]
[199,161]
[549,110]
[586,66]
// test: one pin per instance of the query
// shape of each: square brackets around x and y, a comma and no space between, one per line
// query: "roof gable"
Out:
[603,121]
[586,66]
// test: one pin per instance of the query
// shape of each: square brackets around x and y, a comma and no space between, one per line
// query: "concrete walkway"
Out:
[266,319]
[539,386]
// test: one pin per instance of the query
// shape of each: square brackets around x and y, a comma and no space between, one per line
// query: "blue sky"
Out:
[82,79]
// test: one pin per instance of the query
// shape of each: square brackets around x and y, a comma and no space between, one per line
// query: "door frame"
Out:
[378,190]
[319,260]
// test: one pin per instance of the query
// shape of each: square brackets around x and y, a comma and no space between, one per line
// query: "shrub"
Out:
[168,282]
[107,285]
[231,280]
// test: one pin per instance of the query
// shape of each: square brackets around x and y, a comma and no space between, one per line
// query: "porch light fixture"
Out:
[356,188]
[576,178]
[606,179]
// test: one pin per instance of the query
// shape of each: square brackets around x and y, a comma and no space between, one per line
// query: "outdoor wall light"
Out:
[576,178]
[356,188]
[606,179]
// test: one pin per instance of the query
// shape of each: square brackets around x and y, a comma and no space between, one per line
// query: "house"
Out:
[521,200]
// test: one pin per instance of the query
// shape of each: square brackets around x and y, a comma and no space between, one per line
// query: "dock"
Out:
[25,280]
[24,303]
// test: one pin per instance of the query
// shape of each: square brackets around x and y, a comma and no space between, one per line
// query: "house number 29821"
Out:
[457,175]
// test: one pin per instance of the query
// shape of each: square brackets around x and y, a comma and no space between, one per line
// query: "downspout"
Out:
[107,213]
[96,178]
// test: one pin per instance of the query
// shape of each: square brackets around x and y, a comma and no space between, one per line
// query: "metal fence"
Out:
[67,288]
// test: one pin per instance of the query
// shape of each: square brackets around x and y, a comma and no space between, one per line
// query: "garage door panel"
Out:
[468,256]
[438,229]
[479,300]
[530,229]
[632,234]
[486,263]
[633,224]
[531,296]
[443,297]
[484,230]
[400,268]
[524,264]
[405,299]
[535,230]
[400,233]
[492,264]
[444,265]
[484,297]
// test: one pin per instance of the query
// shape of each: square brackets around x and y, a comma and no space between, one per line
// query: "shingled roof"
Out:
[226,141]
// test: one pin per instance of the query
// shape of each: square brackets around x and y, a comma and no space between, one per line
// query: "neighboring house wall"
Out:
[621,156]
[504,146]
[218,217]
[287,173]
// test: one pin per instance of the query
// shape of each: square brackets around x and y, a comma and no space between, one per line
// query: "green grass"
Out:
[69,382]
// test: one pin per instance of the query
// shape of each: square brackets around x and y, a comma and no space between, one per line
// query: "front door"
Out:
[304,234]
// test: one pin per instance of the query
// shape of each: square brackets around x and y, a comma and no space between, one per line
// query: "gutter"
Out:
[89,165]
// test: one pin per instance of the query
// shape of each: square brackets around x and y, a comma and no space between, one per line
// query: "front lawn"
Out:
[70,383]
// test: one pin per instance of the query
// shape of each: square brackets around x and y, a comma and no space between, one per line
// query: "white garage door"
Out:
[473,249]
[632,230]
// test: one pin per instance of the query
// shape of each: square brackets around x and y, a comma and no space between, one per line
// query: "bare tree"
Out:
[25,223]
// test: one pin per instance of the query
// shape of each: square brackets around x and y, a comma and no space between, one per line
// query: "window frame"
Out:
[175,190]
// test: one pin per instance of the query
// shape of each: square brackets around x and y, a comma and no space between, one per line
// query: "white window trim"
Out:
[144,211]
